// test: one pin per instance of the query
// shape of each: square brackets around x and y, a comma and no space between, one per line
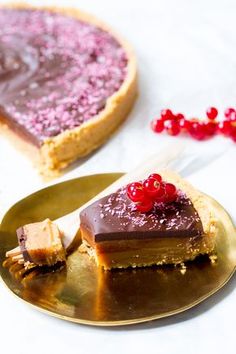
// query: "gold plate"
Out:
[82,293]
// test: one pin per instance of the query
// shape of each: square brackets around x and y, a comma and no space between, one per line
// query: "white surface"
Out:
[187,61]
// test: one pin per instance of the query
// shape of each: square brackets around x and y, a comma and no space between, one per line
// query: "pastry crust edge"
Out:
[200,203]
[58,152]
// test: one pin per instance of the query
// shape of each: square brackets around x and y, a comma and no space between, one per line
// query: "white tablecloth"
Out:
[187,61]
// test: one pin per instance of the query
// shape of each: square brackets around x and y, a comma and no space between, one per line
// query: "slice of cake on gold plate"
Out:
[162,220]
[67,81]
[40,244]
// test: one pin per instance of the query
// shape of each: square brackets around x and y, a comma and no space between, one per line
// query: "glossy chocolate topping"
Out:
[56,72]
[115,218]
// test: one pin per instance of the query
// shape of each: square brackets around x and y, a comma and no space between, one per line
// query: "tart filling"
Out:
[57,72]
[40,244]
[117,235]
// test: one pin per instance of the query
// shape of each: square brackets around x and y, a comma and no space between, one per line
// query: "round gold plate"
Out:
[82,293]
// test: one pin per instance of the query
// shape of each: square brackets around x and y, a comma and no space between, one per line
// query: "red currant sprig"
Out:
[174,124]
[153,189]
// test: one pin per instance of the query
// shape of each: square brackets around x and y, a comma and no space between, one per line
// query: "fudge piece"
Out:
[117,235]
[40,244]
[66,82]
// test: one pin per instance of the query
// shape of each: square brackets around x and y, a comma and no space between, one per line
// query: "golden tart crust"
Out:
[59,151]
[198,200]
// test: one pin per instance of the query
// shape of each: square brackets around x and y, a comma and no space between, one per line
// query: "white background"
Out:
[187,61]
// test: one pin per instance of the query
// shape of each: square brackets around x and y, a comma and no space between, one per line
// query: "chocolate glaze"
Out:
[114,218]
[22,237]
[55,72]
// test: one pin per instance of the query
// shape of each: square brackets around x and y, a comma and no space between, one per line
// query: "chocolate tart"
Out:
[67,81]
[116,235]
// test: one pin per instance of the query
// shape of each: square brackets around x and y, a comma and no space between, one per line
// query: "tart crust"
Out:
[147,252]
[199,202]
[58,152]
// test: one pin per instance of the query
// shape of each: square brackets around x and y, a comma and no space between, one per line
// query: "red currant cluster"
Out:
[174,124]
[153,189]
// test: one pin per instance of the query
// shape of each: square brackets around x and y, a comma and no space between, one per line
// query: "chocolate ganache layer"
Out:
[114,218]
[56,72]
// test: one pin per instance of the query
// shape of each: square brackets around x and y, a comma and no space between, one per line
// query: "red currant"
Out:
[135,191]
[212,113]
[151,187]
[145,206]
[224,127]
[233,116]
[171,192]
[156,176]
[161,195]
[233,133]
[157,125]
[179,116]
[184,124]
[211,128]
[197,130]
[131,186]
[172,127]
[166,114]
[228,112]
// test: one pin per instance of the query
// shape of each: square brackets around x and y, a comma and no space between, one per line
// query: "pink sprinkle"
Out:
[62,70]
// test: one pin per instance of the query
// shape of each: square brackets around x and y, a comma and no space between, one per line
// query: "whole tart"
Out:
[116,235]
[66,82]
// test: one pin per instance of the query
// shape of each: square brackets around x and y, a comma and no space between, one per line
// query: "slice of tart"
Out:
[40,244]
[66,82]
[175,228]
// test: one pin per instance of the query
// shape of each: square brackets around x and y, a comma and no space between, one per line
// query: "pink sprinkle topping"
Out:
[171,216]
[56,72]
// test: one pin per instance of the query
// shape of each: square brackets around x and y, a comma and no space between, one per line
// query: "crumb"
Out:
[183,268]
[213,258]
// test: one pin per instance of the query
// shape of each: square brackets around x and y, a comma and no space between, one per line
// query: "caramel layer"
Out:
[40,243]
[137,253]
